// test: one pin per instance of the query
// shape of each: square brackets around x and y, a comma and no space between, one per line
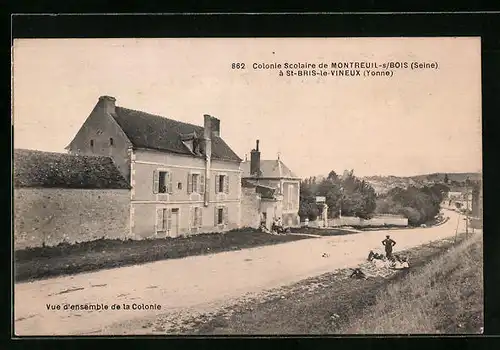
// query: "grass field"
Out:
[43,262]
[445,297]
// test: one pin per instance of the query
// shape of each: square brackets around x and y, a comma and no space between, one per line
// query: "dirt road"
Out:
[200,283]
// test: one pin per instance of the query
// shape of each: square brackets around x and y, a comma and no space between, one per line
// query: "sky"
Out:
[413,122]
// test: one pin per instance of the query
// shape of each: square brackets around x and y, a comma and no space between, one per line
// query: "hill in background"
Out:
[456,181]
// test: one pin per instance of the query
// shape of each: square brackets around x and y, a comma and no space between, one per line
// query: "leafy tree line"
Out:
[418,204]
[354,197]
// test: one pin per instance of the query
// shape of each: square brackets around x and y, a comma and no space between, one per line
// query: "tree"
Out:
[332,176]
[446,180]
[354,196]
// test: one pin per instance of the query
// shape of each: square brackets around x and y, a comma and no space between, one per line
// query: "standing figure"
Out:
[388,243]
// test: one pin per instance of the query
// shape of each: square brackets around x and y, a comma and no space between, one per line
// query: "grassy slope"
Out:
[444,297]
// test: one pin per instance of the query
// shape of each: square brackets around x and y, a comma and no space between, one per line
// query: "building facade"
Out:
[63,198]
[276,175]
[184,178]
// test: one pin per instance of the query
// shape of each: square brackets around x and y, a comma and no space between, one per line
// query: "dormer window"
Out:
[188,144]
[192,142]
[91,143]
[111,141]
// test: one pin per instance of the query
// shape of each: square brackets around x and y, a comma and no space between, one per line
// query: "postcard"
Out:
[247,186]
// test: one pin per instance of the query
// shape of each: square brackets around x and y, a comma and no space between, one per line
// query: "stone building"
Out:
[280,185]
[184,178]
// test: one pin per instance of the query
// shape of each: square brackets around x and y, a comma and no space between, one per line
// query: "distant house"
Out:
[459,199]
[274,174]
[65,198]
[184,178]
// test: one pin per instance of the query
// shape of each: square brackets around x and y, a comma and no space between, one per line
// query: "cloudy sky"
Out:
[417,121]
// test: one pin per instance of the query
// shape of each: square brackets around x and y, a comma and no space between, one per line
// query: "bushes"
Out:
[413,215]
[418,205]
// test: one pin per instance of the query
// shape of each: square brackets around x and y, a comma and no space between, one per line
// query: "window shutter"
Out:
[216,183]
[156,181]
[195,217]
[226,216]
[216,217]
[226,184]
[190,221]
[169,219]
[159,219]
[169,182]
[190,184]
[200,217]
[202,184]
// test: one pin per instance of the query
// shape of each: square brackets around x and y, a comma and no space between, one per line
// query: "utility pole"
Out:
[456,229]
[341,201]
[466,209]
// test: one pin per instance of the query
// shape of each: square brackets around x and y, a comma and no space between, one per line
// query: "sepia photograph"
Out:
[247,186]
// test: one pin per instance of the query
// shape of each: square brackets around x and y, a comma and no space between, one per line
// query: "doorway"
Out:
[174,230]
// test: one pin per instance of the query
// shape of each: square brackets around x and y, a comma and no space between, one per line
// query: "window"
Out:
[221,184]
[197,217]
[179,185]
[162,181]
[163,217]
[220,216]
[111,141]
[165,220]
[91,143]
[196,183]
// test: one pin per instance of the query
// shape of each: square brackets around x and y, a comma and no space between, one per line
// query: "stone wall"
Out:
[375,221]
[250,208]
[355,221]
[52,215]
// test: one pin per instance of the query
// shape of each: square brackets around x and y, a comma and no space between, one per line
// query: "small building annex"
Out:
[64,198]
[273,174]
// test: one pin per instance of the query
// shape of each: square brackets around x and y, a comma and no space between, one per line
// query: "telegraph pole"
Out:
[466,211]
[456,229]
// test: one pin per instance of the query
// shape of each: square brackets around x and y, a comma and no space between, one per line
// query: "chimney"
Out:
[215,127]
[108,104]
[207,139]
[255,160]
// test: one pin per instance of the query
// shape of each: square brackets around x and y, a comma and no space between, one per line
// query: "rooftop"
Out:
[151,131]
[271,169]
[59,170]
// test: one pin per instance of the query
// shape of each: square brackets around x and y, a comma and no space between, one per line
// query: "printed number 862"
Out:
[238,66]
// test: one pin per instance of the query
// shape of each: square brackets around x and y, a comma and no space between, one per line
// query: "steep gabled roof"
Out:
[151,131]
[272,169]
[59,170]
